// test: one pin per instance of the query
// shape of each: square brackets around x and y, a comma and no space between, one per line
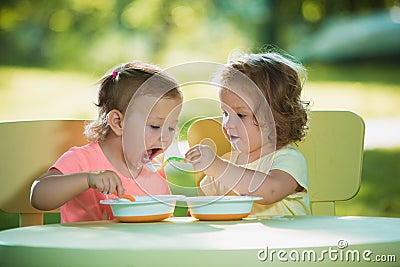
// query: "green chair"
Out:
[333,149]
[27,150]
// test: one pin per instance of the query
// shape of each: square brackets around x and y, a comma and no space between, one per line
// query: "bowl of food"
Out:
[144,208]
[220,208]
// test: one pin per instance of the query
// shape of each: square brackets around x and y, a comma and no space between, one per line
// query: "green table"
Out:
[180,241]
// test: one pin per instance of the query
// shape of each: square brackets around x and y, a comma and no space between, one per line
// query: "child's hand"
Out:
[201,156]
[106,182]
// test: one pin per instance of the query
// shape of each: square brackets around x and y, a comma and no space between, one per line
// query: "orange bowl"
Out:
[144,209]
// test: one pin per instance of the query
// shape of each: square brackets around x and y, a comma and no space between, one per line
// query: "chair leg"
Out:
[29,219]
[323,208]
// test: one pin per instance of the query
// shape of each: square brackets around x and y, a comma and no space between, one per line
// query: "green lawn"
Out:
[380,186]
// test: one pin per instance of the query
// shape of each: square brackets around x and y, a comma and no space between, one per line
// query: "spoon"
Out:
[155,167]
[126,196]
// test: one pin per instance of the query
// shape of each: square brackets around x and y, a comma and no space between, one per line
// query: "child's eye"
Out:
[240,115]
[155,126]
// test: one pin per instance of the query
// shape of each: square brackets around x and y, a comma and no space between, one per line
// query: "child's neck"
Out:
[248,157]
[112,149]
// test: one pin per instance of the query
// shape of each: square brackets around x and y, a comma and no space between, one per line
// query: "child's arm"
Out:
[272,186]
[53,189]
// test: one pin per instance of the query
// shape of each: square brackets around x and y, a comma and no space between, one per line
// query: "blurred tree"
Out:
[87,33]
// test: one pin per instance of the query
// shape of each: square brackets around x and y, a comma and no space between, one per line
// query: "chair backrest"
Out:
[333,149]
[27,150]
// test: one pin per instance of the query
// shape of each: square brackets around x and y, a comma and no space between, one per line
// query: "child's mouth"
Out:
[233,138]
[150,154]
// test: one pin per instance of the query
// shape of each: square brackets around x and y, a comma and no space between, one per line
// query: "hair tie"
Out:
[114,73]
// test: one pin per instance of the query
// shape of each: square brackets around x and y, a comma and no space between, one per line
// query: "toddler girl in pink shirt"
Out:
[138,110]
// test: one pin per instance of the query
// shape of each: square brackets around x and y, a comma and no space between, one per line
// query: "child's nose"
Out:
[228,122]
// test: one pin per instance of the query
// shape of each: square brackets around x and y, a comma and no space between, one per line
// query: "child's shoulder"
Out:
[93,146]
[289,151]
[83,151]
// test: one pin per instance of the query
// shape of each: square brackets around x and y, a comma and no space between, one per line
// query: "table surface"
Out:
[183,241]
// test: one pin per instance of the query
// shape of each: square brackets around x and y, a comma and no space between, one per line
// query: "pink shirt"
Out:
[86,206]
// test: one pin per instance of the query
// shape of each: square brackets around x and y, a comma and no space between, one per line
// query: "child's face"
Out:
[149,129]
[238,123]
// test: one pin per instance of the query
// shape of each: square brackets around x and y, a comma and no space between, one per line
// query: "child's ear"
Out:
[115,119]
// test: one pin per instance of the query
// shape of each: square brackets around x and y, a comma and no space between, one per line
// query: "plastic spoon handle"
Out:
[171,159]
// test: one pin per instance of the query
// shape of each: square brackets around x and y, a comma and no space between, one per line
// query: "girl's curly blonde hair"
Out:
[280,79]
[118,87]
